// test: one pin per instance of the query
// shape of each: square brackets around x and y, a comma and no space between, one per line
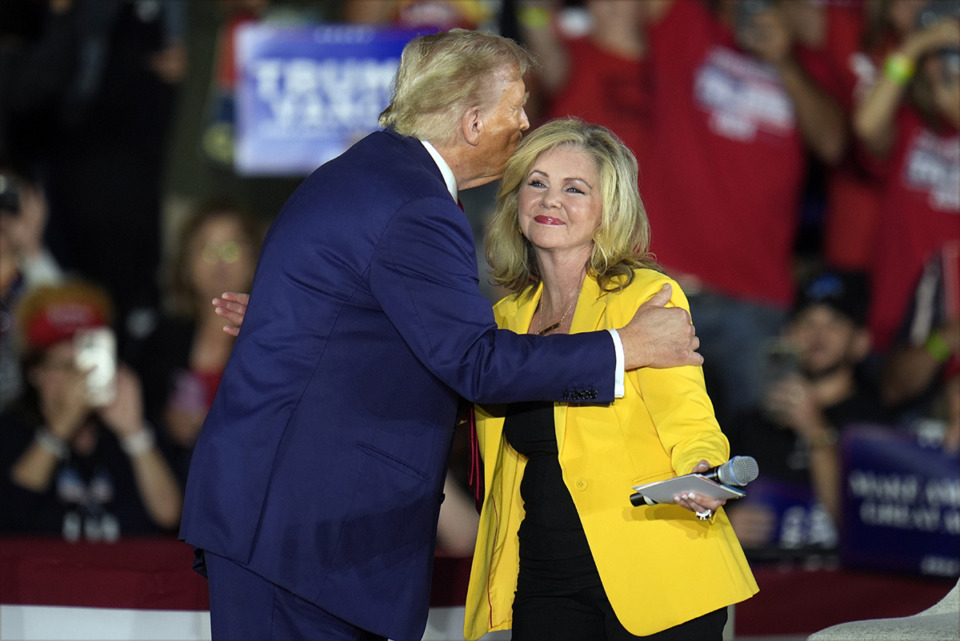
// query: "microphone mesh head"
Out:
[742,470]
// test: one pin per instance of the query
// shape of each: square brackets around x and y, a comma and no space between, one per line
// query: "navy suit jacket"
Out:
[321,463]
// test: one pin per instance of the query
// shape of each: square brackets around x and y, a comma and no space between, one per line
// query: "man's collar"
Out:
[448,176]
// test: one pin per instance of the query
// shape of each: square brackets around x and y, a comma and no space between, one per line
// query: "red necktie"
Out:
[475,477]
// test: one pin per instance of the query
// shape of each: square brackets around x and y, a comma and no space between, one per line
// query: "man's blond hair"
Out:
[442,75]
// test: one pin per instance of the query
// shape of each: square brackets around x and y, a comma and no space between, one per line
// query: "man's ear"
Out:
[471,126]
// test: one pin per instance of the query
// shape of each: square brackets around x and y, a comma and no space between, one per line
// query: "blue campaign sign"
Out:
[901,507]
[305,93]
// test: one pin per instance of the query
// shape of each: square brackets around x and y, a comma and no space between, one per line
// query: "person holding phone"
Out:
[811,391]
[77,454]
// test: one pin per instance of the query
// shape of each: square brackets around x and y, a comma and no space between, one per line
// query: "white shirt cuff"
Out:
[618,348]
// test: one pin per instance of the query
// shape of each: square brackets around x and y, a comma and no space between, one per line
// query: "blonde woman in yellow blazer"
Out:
[569,216]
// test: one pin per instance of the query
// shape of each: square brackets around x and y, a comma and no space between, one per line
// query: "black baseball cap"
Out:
[844,292]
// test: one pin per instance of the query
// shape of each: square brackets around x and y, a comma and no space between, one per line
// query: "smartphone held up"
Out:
[95,352]
[780,361]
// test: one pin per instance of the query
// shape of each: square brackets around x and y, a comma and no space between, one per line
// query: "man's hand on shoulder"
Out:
[660,336]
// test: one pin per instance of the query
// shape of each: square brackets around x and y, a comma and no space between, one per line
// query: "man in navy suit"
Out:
[314,489]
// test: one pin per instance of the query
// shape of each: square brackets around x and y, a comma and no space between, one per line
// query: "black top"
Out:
[553,545]
[92,497]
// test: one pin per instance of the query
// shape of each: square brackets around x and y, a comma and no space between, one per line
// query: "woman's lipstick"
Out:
[547,220]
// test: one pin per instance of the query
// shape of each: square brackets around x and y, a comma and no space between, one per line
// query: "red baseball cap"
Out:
[54,313]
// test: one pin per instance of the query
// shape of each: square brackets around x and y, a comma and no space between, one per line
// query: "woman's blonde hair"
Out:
[621,242]
[442,75]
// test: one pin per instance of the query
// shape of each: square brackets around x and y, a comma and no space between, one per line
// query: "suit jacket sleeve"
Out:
[424,274]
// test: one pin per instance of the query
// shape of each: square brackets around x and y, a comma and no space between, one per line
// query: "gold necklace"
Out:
[550,328]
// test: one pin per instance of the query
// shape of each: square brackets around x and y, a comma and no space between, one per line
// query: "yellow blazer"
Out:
[660,565]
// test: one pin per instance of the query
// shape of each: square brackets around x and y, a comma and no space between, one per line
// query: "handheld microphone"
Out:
[738,471]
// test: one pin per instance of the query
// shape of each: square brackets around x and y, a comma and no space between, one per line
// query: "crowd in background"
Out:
[799,163]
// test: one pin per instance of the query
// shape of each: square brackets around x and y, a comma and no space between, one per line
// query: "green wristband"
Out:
[533,17]
[937,347]
[899,68]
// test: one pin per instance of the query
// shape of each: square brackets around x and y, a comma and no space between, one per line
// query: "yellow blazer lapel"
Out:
[517,314]
[591,305]
[588,317]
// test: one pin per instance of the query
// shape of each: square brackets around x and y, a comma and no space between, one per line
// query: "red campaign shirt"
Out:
[723,177]
[209,381]
[605,89]
[919,214]
[853,194]
[844,35]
